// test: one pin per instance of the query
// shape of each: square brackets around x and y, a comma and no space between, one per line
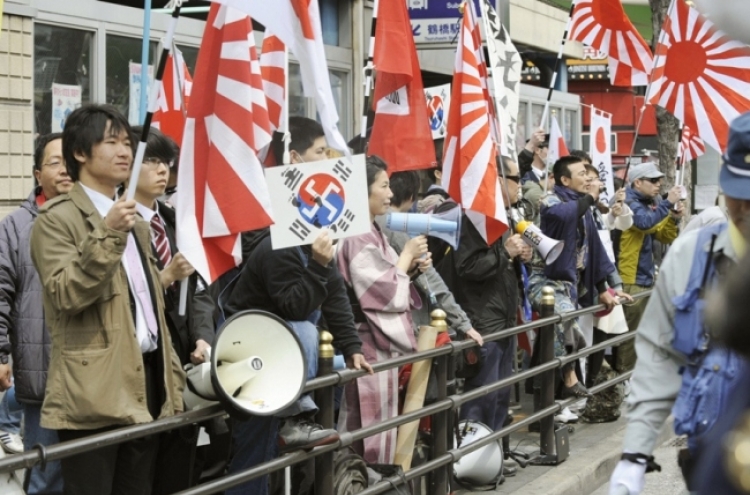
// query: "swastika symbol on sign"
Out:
[321,199]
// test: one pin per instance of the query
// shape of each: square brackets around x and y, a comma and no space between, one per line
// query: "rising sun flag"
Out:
[701,76]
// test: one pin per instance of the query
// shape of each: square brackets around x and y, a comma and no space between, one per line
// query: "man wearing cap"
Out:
[680,370]
[653,219]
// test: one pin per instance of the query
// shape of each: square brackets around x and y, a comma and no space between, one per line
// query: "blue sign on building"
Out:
[436,21]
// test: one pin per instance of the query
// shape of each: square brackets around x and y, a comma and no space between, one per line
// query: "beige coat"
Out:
[96,376]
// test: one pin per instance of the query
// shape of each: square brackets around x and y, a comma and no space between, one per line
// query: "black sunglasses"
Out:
[654,180]
[514,178]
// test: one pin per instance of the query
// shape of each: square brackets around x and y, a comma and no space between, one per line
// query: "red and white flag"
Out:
[701,76]
[174,94]
[557,147]
[691,146]
[601,151]
[401,130]
[297,25]
[221,188]
[273,65]
[604,26]
[469,157]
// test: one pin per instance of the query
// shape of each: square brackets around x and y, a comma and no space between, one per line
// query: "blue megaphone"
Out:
[445,225]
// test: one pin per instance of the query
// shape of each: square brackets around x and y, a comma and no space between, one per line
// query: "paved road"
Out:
[669,481]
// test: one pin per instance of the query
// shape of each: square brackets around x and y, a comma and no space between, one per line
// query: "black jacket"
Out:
[198,322]
[289,284]
[483,280]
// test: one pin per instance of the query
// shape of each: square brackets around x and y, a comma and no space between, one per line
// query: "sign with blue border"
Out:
[437,21]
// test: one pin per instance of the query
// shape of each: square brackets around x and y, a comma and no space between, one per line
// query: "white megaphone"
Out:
[550,249]
[483,465]
[445,225]
[257,366]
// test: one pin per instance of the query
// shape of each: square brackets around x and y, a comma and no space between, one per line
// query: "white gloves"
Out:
[627,479]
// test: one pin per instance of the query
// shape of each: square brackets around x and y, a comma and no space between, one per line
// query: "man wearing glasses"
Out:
[653,219]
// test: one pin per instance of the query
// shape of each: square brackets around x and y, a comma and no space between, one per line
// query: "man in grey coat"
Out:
[22,329]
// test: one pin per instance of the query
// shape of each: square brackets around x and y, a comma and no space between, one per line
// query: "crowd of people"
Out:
[91,338]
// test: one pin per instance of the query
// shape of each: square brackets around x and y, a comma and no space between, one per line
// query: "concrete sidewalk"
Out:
[595,449]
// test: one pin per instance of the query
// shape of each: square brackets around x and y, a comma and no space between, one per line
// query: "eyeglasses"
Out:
[154,162]
[654,180]
[514,178]
[54,165]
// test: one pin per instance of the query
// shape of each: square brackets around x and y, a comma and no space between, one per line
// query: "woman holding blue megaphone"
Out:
[379,284]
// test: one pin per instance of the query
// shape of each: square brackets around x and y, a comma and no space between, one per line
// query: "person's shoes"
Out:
[566,416]
[576,391]
[11,442]
[303,434]
[509,471]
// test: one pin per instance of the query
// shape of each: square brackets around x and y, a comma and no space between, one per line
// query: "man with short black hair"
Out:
[654,219]
[21,309]
[112,361]
[582,267]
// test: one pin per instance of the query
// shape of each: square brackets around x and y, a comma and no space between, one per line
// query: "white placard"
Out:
[705,196]
[309,197]
[438,104]
[134,76]
[65,99]
[601,153]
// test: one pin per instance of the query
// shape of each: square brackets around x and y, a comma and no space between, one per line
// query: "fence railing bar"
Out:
[66,449]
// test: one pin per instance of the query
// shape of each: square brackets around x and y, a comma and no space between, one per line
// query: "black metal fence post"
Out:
[547,394]
[324,400]
[440,425]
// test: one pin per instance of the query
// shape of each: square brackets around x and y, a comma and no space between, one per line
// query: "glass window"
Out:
[299,104]
[329,21]
[341,97]
[62,64]
[121,91]
[536,116]
[521,126]
[567,129]
[190,54]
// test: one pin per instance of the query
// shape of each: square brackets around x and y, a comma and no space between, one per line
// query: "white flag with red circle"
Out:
[601,152]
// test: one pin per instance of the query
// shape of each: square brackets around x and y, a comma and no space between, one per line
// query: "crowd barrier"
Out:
[442,457]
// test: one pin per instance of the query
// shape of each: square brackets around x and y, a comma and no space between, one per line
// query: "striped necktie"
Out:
[160,241]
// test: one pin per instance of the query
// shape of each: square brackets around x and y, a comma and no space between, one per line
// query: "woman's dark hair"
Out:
[303,132]
[85,127]
[374,165]
[159,145]
[405,187]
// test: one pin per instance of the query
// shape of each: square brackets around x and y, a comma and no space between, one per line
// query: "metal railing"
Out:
[441,457]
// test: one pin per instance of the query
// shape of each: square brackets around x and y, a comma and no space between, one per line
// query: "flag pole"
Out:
[144,58]
[179,75]
[645,98]
[552,81]
[368,70]
[286,159]
[152,103]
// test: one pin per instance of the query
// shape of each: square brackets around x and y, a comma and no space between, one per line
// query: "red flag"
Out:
[401,131]
[469,164]
[604,26]
[174,94]
[221,188]
[273,66]
[557,148]
[701,76]
[297,24]
[691,146]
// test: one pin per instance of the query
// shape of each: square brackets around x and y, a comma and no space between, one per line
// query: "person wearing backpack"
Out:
[680,369]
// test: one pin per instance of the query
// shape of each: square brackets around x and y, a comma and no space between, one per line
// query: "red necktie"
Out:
[160,241]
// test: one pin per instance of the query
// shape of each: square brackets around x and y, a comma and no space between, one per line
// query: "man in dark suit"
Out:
[192,332]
